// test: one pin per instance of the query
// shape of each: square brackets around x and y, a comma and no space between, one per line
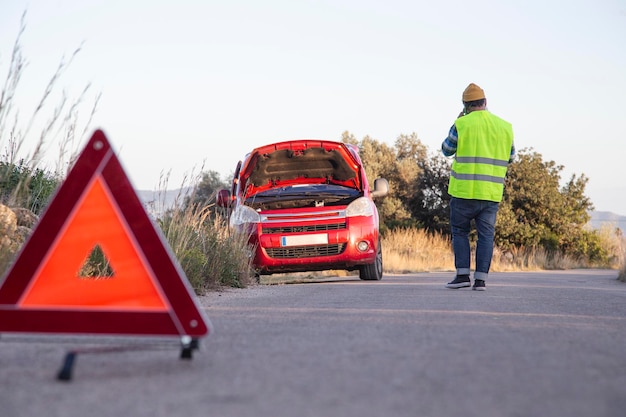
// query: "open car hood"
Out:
[302,161]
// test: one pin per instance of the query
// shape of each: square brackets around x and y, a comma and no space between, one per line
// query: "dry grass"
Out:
[210,254]
[531,259]
[415,250]
[612,239]
[621,261]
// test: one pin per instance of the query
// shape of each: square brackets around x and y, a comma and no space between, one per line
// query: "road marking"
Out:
[361,311]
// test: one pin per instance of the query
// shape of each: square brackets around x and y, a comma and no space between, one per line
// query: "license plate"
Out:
[303,240]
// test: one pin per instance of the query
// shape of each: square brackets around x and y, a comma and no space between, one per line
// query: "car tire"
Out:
[373,271]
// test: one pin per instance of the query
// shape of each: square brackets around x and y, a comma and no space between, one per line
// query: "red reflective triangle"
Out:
[148,294]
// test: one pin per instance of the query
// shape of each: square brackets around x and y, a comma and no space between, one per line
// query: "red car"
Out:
[308,206]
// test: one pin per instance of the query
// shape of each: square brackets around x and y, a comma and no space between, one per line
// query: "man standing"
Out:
[483,144]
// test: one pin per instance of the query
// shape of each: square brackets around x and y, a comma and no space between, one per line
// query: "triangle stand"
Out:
[188,345]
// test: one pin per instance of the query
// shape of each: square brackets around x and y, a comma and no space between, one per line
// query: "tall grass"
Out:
[613,241]
[618,242]
[24,183]
[62,122]
[415,250]
[210,254]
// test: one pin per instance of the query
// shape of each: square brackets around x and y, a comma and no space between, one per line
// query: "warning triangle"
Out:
[96,207]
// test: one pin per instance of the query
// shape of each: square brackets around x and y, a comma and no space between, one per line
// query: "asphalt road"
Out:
[534,344]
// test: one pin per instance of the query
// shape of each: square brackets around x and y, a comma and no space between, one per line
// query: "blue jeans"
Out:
[462,212]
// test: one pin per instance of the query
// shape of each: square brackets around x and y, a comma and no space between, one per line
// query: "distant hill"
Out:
[156,202]
[601,218]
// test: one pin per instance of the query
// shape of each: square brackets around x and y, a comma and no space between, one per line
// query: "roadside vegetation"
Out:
[25,184]
[210,254]
[542,222]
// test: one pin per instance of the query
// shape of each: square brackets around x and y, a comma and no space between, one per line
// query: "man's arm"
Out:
[512,156]
[448,147]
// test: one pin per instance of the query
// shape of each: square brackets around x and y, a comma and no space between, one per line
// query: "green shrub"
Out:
[21,186]
[194,264]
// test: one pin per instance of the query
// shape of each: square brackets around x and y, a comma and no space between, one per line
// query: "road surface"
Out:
[534,344]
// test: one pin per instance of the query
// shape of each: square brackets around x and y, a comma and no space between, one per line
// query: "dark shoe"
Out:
[461,281]
[479,285]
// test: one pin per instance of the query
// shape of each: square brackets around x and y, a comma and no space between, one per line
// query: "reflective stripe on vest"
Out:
[478,177]
[482,156]
[479,160]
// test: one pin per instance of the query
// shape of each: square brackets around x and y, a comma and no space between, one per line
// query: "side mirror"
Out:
[223,198]
[381,188]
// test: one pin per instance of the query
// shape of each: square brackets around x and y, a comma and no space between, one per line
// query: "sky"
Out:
[189,86]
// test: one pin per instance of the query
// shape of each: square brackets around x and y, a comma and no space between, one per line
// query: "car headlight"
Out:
[243,215]
[360,207]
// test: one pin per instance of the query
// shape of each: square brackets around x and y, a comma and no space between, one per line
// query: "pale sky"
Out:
[189,84]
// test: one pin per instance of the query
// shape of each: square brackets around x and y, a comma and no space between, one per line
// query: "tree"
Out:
[347,137]
[537,212]
[430,205]
[206,190]
[531,199]
[398,165]
[409,152]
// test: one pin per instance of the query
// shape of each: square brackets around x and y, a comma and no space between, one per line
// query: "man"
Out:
[483,144]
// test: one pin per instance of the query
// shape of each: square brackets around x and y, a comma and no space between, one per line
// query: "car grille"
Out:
[306,251]
[304,228]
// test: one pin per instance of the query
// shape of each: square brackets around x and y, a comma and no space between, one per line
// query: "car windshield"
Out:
[303,195]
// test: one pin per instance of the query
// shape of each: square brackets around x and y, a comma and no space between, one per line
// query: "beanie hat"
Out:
[473,93]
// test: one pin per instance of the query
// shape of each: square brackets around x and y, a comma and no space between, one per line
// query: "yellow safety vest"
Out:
[482,157]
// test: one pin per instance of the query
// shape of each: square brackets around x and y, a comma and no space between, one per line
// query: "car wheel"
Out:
[374,271]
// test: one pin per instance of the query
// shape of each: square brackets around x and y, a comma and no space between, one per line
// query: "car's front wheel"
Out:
[373,271]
